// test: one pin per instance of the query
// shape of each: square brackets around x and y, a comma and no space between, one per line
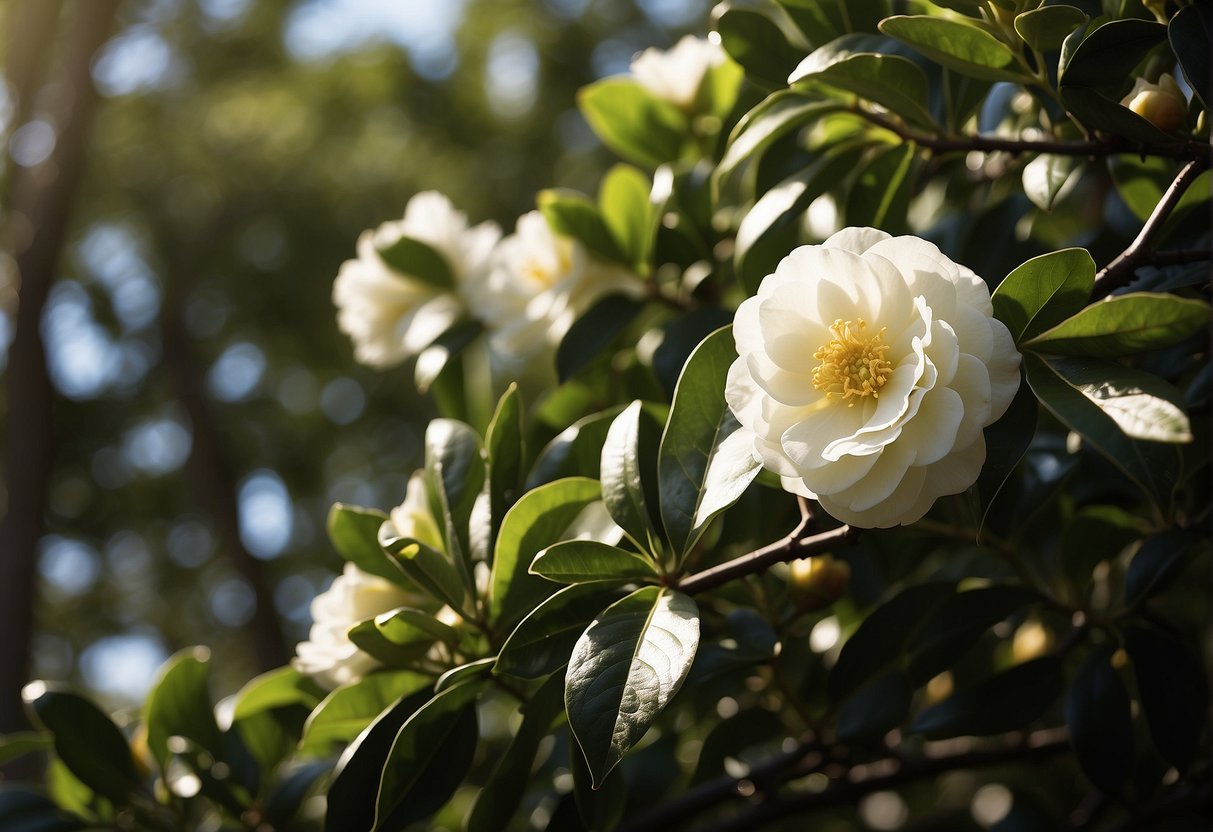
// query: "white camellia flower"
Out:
[328,656]
[539,283]
[675,75]
[867,368]
[392,316]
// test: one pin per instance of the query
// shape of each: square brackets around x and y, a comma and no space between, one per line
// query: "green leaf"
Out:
[758,44]
[501,796]
[1006,701]
[1046,28]
[778,115]
[1100,724]
[1123,325]
[578,561]
[956,45]
[1007,440]
[419,260]
[400,636]
[1158,564]
[1102,421]
[700,473]
[1174,693]
[625,669]
[536,521]
[179,704]
[1190,32]
[623,200]
[876,708]
[575,215]
[283,802]
[633,122]
[455,474]
[880,192]
[428,759]
[1106,55]
[86,740]
[883,634]
[347,710]
[542,642]
[593,331]
[22,810]
[504,442]
[276,689]
[958,623]
[626,457]
[465,673]
[1044,291]
[428,567]
[443,354]
[21,743]
[354,532]
[575,452]
[853,64]
[1096,108]
[1046,176]
[353,794]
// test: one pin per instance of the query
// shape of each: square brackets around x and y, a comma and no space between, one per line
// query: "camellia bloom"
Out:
[1162,104]
[539,283]
[675,75]
[867,368]
[392,316]
[328,656]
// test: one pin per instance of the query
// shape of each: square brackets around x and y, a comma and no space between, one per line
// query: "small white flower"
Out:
[392,316]
[539,283]
[675,75]
[867,368]
[328,656]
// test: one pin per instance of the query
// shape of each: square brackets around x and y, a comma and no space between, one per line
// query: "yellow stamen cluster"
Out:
[852,366]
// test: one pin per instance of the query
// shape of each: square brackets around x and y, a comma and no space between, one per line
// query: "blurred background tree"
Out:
[170,465]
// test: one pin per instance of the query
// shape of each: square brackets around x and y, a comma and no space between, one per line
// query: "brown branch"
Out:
[1184,150]
[36,227]
[1139,253]
[788,548]
[891,774]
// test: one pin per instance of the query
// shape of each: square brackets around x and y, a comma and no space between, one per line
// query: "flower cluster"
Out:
[867,368]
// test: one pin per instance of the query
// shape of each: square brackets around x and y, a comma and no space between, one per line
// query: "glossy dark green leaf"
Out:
[276,689]
[1006,701]
[679,338]
[465,673]
[536,521]
[851,63]
[633,122]
[956,45]
[353,795]
[348,710]
[354,532]
[85,740]
[1123,325]
[1104,57]
[575,215]
[428,759]
[1072,394]
[1044,291]
[758,44]
[1174,693]
[1047,27]
[575,452]
[428,567]
[629,214]
[542,642]
[881,637]
[876,708]
[455,475]
[179,704]
[419,260]
[625,669]
[1101,726]
[506,451]
[1007,440]
[778,115]
[700,471]
[880,192]
[1046,176]
[1157,564]
[627,457]
[501,796]
[578,561]
[1103,111]
[593,332]
[1190,32]
[401,636]
[958,623]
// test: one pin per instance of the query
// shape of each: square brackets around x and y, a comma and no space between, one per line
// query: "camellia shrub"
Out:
[842,463]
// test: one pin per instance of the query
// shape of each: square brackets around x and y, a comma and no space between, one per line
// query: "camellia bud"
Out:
[1161,104]
[818,581]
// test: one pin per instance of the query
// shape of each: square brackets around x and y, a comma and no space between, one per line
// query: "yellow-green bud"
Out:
[818,581]
[1161,104]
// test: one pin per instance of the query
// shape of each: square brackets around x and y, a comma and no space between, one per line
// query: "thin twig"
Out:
[788,548]
[1139,253]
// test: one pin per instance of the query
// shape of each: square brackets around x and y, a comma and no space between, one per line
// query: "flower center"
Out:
[852,366]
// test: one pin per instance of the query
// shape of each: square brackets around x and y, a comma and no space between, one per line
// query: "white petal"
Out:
[972,383]
[932,431]
[856,239]
[1004,370]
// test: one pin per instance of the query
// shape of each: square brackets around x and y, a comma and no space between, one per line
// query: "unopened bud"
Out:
[818,581]
[1031,641]
[1161,104]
